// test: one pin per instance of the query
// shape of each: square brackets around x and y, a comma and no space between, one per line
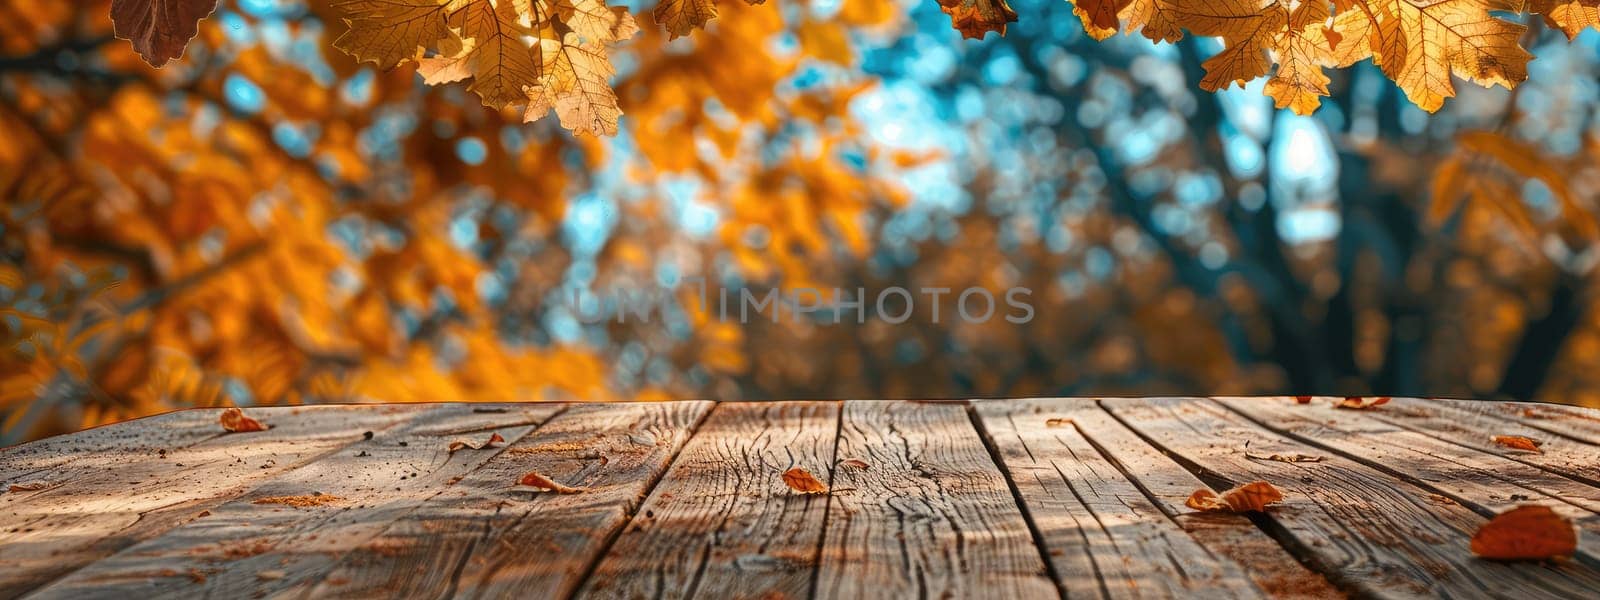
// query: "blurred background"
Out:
[267,222]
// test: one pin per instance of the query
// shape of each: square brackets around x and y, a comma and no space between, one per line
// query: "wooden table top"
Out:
[1007,498]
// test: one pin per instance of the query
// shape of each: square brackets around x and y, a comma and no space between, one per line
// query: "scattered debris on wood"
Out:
[1528,532]
[234,421]
[1288,458]
[533,478]
[1058,423]
[802,481]
[1517,442]
[299,501]
[1250,497]
[489,443]
[1359,403]
[855,463]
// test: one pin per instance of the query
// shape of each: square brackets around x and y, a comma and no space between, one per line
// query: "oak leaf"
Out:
[159,29]
[1250,497]
[1528,532]
[234,421]
[802,481]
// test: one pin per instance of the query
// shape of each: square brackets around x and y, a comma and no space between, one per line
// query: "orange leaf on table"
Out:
[801,480]
[234,421]
[1302,399]
[489,443]
[533,478]
[1517,442]
[1359,403]
[1250,497]
[1528,532]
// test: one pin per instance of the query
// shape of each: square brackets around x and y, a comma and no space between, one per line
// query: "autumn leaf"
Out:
[1250,497]
[1517,442]
[1359,403]
[1058,422]
[159,29]
[976,18]
[234,421]
[29,486]
[1302,399]
[802,481]
[854,463]
[1288,458]
[489,443]
[1528,532]
[534,479]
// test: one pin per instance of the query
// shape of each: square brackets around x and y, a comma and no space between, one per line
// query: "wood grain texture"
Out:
[721,523]
[929,516]
[123,493]
[1369,531]
[1484,481]
[487,537]
[131,440]
[1109,508]
[1576,423]
[244,548]
[1466,425]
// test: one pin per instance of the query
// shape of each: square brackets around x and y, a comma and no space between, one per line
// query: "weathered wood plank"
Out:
[1487,483]
[243,548]
[139,439]
[105,501]
[1109,508]
[487,538]
[721,523]
[930,515]
[1465,424]
[1576,423]
[1367,530]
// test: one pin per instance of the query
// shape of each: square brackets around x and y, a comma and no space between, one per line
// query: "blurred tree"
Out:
[266,220]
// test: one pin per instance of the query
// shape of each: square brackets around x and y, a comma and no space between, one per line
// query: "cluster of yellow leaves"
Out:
[1419,44]
[542,55]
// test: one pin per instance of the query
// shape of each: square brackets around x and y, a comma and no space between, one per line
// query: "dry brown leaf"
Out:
[1288,458]
[533,478]
[1528,532]
[299,501]
[1058,423]
[234,421]
[1302,399]
[489,443]
[29,486]
[1359,403]
[1250,497]
[1517,442]
[855,463]
[801,480]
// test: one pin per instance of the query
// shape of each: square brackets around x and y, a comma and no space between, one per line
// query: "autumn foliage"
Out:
[345,201]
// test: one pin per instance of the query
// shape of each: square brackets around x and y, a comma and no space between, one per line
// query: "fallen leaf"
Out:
[234,421]
[1359,403]
[1250,497]
[1302,399]
[533,478]
[801,480]
[854,462]
[1528,532]
[1517,442]
[299,501]
[1289,458]
[271,575]
[1058,423]
[489,443]
[29,486]
[1440,499]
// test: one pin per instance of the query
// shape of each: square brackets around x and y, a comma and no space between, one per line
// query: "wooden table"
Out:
[1014,498]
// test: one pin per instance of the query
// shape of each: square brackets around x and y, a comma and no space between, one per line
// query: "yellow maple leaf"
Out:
[1420,46]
